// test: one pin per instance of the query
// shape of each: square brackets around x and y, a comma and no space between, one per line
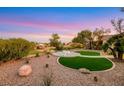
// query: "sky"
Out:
[38,23]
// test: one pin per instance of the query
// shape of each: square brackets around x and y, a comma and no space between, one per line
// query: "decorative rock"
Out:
[84,71]
[25,70]
[95,79]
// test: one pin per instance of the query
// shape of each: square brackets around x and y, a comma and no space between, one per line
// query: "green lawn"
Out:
[89,53]
[93,64]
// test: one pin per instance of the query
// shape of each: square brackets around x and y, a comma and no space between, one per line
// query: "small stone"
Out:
[25,70]
[84,71]
[47,65]
[95,79]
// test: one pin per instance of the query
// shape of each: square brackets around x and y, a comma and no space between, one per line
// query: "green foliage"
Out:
[14,48]
[82,37]
[76,45]
[91,40]
[37,54]
[105,47]
[119,45]
[73,46]
[90,53]
[48,53]
[116,45]
[54,41]
[67,47]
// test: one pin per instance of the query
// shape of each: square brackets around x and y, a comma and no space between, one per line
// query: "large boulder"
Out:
[25,70]
[84,71]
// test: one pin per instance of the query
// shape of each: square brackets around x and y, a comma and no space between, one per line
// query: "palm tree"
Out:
[116,45]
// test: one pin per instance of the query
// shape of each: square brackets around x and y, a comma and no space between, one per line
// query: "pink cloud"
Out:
[72,27]
[42,24]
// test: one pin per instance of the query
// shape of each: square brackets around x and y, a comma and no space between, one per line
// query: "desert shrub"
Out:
[55,42]
[37,54]
[68,47]
[47,79]
[73,46]
[76,45]
[48,53]
[14,48]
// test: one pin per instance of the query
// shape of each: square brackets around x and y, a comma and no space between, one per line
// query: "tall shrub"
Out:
[14,48]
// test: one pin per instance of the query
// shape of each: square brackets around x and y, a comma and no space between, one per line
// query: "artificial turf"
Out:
[89,53]
[93,64]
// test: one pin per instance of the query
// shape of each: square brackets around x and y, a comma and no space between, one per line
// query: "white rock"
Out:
[84,71]
[25,70]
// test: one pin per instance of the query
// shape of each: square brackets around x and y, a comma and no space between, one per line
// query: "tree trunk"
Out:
[113,52]
[120,55]
[90,45]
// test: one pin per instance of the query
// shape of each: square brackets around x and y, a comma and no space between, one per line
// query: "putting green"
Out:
[93,64]
[89,53]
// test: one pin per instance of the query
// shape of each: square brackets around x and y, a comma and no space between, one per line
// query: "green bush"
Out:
[76,45]
[14,48]
[37,55]
[73,46]
[55,42]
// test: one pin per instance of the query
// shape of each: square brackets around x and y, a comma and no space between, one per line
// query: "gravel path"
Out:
[60,74]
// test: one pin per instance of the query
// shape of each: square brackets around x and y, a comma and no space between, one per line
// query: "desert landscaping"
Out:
[37,50]
[46,71]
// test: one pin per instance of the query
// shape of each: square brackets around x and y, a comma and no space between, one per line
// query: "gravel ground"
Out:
[58,74]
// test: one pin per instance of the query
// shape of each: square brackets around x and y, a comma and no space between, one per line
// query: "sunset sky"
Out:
[37,24]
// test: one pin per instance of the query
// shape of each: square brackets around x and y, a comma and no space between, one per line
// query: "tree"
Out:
[118,25]
[85,38]
[116,45]
[98,35]
[54,41]
[119,47]
[92,40]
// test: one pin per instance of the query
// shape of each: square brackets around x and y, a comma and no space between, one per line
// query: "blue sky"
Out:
[37,24]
